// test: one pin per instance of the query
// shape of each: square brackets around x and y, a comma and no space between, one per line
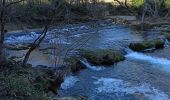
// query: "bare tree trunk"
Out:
[2,23]
[167,14]
[43,34]
[142,21]
[35,45]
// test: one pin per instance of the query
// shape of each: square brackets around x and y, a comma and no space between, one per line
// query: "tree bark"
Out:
[35,45]
[2,23]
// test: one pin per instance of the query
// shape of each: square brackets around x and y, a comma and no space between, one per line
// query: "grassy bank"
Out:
[18,83]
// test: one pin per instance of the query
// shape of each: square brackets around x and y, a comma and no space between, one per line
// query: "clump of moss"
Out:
[167,35]
[75,64]
[141,46]
[159,43]
[102,56]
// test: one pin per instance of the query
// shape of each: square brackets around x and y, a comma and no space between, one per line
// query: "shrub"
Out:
[19,87]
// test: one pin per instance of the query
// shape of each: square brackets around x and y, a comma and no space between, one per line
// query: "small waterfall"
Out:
[23,38]
[167,42]
[162,63]
[69,82]
[87,64]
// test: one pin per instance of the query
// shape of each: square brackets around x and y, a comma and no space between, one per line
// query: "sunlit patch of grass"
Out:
[137,3]
[167,3]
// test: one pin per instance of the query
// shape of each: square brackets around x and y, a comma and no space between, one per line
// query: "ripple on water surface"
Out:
[121,89]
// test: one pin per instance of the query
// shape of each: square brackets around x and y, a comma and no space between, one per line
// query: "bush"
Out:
[137,3]
[19,87]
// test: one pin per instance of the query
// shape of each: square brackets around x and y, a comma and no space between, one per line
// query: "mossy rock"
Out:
[167,35]
[75,64]
[102,56]
[141,46]
[159,43]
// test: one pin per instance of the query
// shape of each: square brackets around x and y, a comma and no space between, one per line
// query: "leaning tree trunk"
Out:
[43,34]
[35,45]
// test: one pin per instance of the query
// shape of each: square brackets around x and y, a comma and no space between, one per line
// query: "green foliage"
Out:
[19,87]
[137,3]
[167,3]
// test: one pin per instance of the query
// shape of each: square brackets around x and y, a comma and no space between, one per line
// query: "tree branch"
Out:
[12,3]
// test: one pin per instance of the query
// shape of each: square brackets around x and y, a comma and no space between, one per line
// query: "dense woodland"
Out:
[20,81]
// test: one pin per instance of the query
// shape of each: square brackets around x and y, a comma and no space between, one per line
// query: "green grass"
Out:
[19,88]
[167,3]
[137,3]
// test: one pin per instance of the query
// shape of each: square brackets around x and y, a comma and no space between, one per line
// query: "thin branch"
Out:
[12,3]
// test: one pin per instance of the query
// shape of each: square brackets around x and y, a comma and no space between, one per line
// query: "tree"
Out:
[125,5]
[55,5]
[4,5]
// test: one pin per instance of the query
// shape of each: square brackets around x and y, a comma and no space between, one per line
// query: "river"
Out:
[142,76]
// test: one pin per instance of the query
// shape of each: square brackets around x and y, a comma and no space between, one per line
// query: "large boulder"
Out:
[142,46]
[101,56]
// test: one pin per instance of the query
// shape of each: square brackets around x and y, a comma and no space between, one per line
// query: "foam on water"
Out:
[69,82]
[23,38]
[95,68]
[162,63]
[78,35]
[121,88]
[59,41]
[30,37]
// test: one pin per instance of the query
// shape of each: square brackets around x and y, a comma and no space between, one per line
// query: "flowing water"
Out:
[142,76]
